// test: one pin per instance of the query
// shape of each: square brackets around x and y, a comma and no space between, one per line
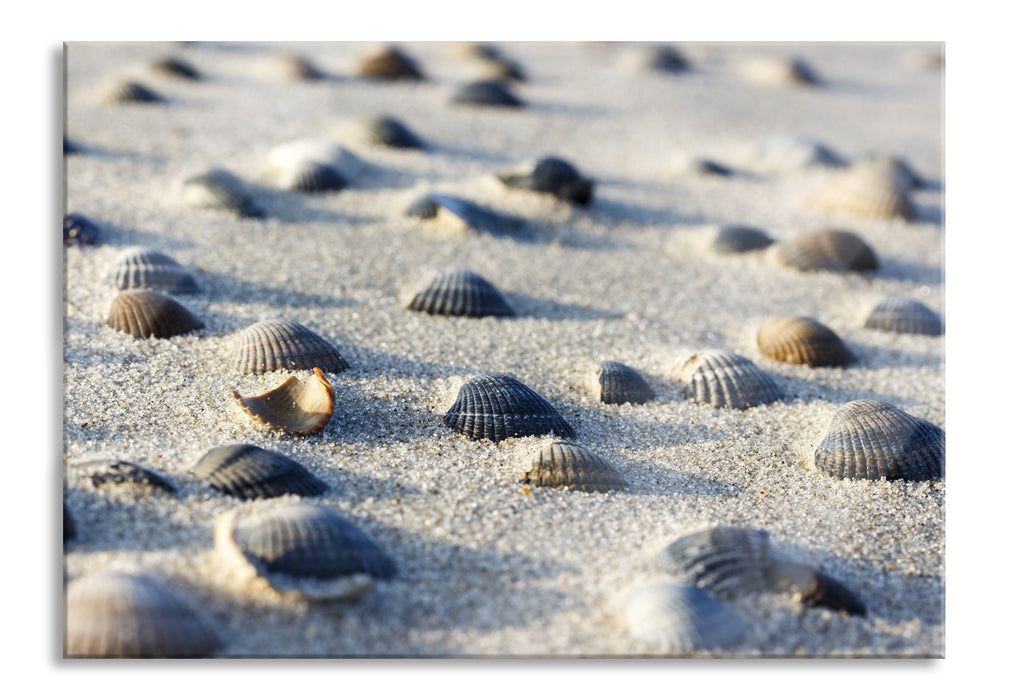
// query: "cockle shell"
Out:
[275,344]
[311,165]
[111,615]
[486,93]
[172,67]
[460,214]
[901,315]
[721,378]
[249,472]
[732,561]
[660,59]
[288,66]
[834,251]
[143,268]
[499,69]
[130,92]
[383,130]
[80,230]
[461,293]
[869,439]
[300,407]
[802,340]
[146,314]
[566,465]
[868,189]
[113,472]
[729,240]
[682,619]
[554,176]
[618,383]
[495,407]
[790,152]
[219,189]
[780,71]
[305,550]
[899,170]
[389,63]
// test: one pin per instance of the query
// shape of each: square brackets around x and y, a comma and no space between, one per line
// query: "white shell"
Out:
[682,618]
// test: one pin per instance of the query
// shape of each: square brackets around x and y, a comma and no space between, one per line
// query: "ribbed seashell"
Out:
[903,175]
[300,407]
[486,93]
[802,340]
[113,472]
[130,92]
[869,189]
[464,215]
[461,293]
[69,531]
[383,130]
[733,561]
[146,314]
[789,152]
[389,63]
[729,240]
[618,383]
[311,165]
[143,268]
[303,549]
[778,71]
[869,439]
[219,189]
[286,66]
[249,472]
[682,619]
[901,315]
[496,407]
[275,344]
[553,176]
[172,67]
[80,230]
[833,251]
[566,465]
[721,378]
[110,615]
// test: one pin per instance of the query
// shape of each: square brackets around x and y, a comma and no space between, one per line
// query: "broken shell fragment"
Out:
[802,341]
[146,314]
[682,619]
[721,378]
[834,251]
[106,473]
[143,268]
[300,407]
[249,472]
[901,315]
[869,189]
[219,189]
[486,93]
[554,176]
[80,230]
[275,344]
[461,293]
[496,406]
[869,439]
[618,383]
[566,465]
[111,615]
[389,63]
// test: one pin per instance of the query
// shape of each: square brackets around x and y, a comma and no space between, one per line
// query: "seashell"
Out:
[111,615]
[701,166]
[553,176]
[834,251]
[311,165]
[662,59]
[286,66]
[733,561]
[682,618]
[80,230]
[788,152]
[500,69]
[474,49]
[486,93]
[300,407]
[620,384]
[461,293]
[69,531]
[278,344]
[729,240]
[902,174]
[130,92]
[869,189]
[869,439]
[114,472]
[722,378]
[564,464]
[146,314]
[900,315]
[249,472]
[172,67]
[219,189]
[383,130]
[459,214]
[801,341]
[495,407]
[389,63]
[780,71]
[143,268]
[306,550]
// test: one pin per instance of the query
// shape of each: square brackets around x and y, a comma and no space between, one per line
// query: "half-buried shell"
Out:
[111,615]
[383,130]
[871,189]
[682,619]
[105,473]
[833,251]
[389,63]
[618,383]
[80,230]
[486,93]
[729,240]
[172,67]
[311,165]
[248,472]
[461,215]
[305,550]
[496,407]
[461,293]
[219,189]
[901,315]
[802,340]
[146,314]
[781,71]
[130,92]
[275,344]
[791,152]
[869,439]
[566,465]
[298,406]
[288,66]
[554,176]
[143,268]
[721,378]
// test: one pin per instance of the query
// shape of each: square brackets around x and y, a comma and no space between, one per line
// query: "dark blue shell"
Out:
[496,407]
[249,472]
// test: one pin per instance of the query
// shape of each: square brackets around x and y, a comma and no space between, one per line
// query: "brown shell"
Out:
[146,314]
[566,465]
[276,343]
[389,63]
[835,251]
[801,341]
[300,407]
[871,189]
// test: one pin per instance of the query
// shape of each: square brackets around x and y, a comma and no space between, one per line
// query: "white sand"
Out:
[487,569]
